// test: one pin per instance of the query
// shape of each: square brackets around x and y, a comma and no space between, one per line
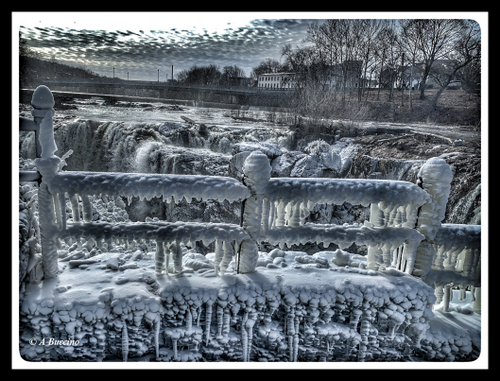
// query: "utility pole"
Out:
[113,72]
[158,75]
[127,75]
[172,74]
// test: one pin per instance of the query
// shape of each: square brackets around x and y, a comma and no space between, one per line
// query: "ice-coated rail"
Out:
[148,185]
[169,236]
[343,235]
[337,191]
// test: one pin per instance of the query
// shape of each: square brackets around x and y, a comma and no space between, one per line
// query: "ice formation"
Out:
[147,186]
[128,289]
[352,314]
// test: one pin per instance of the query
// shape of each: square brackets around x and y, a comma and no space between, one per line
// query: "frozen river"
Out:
[138,112]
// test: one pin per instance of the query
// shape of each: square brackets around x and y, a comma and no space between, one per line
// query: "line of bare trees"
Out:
[211,75]
[349,56]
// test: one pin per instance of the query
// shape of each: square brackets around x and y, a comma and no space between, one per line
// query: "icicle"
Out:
[87,208]
[290,331]
[400,217]
[446,298]
[296,339]
[410,215]
[272,212]
[159,259]
[75,207]
[219,253]
[409,256]
[294,213]
[244,335]
[386,257]
[288,212]
[364,332]
[57,206]
[310,204]
[189,320]
[109,244]
[391,330]
[220,321]
[227,321]
[399,256]
[249,327]
[228,256]
[280,220]
[157,325]
[377,215]
[265,216]
[354,319]
[125,342]
[174,345]
[166,251]
[392,217]
[197,313]
[439,258]
[303,212]
[177,254]
[208,320]
[439,292]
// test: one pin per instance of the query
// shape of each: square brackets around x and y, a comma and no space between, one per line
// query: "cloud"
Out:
[142,52]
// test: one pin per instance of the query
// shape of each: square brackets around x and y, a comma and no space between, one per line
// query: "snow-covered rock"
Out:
[270,150]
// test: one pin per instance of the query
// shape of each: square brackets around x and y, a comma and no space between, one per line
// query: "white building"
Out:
[276,81]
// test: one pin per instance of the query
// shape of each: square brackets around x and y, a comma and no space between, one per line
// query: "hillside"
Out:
[33,71]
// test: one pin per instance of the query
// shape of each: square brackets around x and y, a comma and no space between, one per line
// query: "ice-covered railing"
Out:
[404,231]
[456,262]
[277,211]
[57,185]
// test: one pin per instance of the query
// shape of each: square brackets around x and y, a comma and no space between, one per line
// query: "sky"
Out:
[143,43]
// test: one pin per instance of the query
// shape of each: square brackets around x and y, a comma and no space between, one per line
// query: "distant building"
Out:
[276,81]
[347,73]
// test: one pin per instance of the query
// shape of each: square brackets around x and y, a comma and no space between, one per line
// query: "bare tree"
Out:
[433,39]
[467,49]
[231,75]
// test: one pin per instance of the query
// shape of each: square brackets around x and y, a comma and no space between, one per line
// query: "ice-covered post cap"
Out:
[43,101]
[436,170]
[42,98]
[436,176]
[257,171]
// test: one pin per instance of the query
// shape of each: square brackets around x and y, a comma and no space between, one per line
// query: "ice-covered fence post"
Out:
[48,165]
[256,175]
[436,178]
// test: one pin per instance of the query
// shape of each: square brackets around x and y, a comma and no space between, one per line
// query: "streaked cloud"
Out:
[141,51]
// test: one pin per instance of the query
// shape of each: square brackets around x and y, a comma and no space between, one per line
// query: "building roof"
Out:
[269,74]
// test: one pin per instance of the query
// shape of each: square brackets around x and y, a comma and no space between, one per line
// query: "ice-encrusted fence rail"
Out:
[404,232]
